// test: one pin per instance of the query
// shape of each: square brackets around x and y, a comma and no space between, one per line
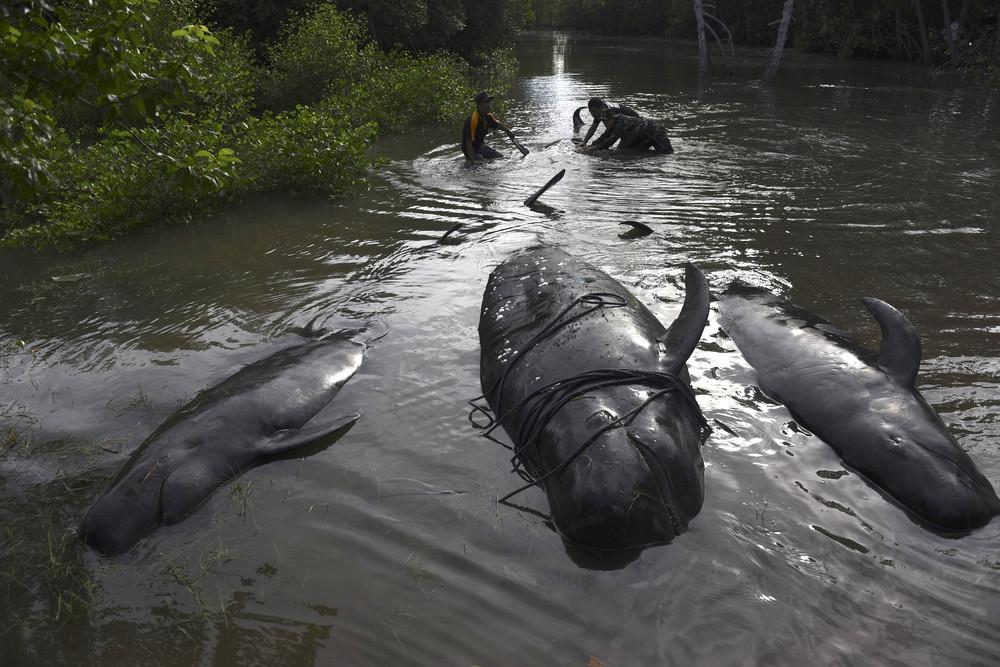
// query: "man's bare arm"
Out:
[590,132]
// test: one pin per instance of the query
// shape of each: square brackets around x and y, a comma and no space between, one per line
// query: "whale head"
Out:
[913,456]
[166,478]
[127,511]
[635,484]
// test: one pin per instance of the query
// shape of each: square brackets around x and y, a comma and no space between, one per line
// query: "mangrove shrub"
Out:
[187,118]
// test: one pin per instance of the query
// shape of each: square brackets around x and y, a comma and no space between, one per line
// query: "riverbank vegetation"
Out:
[952,34]
[118,114]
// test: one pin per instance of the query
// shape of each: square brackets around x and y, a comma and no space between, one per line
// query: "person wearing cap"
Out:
[477,126]
[634,133]
[596,106]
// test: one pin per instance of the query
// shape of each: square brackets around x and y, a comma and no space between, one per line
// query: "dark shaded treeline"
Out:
[909,30]
[470,28]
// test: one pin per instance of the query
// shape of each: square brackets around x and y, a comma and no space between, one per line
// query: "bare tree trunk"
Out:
[699,19]
[996,46]
[922,27]
[722,24]
[779,45]
[902,45]
[718,41]
[963,14]
[949,34]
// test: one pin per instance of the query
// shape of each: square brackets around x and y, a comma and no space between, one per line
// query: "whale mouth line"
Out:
[663,481]
[930,524]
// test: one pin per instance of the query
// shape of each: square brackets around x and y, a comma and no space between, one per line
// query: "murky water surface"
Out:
[388,548]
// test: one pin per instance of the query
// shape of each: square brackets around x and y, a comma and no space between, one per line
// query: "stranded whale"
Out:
[862,403]
[594,393]
[262,411]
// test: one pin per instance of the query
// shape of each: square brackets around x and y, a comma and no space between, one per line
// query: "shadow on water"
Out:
[839,181]
[597,560]
[587,558]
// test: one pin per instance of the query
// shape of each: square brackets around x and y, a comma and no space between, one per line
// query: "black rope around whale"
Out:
[543,403]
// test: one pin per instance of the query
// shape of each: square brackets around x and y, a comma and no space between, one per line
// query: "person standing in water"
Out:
[477,126]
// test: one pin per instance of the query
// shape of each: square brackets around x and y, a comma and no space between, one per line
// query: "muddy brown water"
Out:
[388,548]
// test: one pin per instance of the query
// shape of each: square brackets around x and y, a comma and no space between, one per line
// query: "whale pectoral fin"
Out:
[681,338]
[187,487]
[899,353]
[284,442]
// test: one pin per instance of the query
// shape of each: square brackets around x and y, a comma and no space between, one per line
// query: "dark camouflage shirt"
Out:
[635,134]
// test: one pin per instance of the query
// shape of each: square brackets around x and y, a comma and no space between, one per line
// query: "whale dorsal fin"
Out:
[899,353]
[682,336]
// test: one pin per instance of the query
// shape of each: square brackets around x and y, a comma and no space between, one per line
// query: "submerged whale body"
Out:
[862,403]
[594,393]
[261,412]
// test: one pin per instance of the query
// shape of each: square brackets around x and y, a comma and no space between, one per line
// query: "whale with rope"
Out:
[594,393]
[862,403]
[265,410]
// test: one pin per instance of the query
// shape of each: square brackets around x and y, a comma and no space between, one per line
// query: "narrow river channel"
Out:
[839,181]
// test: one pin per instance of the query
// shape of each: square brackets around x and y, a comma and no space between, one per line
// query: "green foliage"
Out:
[130,178]
[490,25]
[100,56]
[304,149]
[494,70]
[136,178]
[325,56]
[260,20]
[404,89]
[397,22]
[85,173]
[846,28]
[320,50]
[465,27]
[416,25]
[26,132]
